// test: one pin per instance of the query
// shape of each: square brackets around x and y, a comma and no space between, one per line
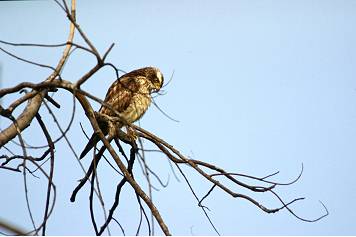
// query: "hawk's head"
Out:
[153,76]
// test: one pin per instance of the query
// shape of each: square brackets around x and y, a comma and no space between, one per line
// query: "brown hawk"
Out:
[130,96]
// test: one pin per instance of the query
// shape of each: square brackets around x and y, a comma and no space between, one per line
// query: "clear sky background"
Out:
[258,86]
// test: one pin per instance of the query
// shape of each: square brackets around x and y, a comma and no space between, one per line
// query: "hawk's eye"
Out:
[155,80]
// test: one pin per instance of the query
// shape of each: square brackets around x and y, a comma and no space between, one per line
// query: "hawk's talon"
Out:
[131,134]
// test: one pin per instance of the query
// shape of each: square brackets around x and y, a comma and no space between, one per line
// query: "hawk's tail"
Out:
[91,143]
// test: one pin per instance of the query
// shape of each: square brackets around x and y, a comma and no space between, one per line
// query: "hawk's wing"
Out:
[120,94]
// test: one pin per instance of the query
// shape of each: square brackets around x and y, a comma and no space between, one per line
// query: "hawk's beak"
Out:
[157,86]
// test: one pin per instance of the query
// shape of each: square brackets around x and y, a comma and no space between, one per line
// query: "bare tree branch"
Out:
[34,104]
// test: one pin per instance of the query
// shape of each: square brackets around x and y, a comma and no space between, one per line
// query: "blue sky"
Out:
[258,86]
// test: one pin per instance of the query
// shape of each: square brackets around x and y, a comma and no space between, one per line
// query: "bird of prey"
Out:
[130,96]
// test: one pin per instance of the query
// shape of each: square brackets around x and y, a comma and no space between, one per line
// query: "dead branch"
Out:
[34,104]
[11,228]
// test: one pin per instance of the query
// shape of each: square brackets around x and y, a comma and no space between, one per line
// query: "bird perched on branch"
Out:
[130,96]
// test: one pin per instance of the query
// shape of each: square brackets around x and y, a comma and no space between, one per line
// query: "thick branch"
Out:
[23,121]
[25,118]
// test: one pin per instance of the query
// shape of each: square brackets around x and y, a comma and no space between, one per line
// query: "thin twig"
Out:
[26,60]
[51,147]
